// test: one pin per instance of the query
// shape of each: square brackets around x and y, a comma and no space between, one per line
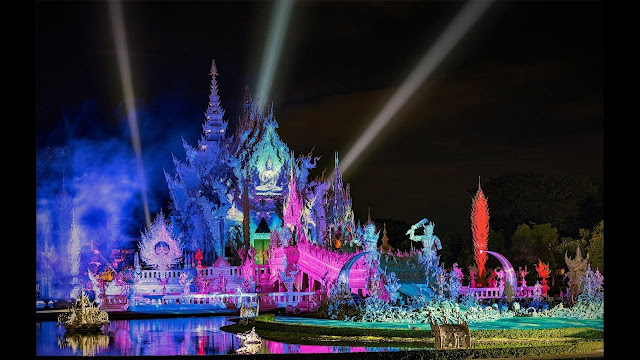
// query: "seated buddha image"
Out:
[268,178]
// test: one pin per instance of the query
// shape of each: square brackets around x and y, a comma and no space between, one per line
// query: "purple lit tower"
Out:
[199,191]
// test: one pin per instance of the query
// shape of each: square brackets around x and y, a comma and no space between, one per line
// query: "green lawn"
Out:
[486,343]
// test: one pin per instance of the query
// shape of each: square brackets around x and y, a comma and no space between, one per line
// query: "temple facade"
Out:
[248,219]
[235,192]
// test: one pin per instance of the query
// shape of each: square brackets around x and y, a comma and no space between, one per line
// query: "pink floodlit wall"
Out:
[324,265]
[292,211]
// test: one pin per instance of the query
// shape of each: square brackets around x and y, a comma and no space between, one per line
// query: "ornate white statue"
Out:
[268,178]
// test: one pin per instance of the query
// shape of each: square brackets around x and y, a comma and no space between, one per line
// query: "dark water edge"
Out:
[400,355]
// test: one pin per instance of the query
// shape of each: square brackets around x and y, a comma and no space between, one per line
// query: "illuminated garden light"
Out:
[471,12]
[279,20]
[119,36]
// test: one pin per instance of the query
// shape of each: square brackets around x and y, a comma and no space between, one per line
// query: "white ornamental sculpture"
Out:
[159,249]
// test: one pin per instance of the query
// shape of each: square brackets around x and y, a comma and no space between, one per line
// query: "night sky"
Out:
[523,90]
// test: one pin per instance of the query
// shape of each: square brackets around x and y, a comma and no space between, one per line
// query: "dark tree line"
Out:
[568,203]
[533,216]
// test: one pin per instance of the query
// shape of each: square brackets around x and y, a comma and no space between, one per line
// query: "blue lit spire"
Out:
[214,127]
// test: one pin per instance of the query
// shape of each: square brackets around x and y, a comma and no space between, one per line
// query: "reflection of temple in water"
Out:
[165,337]
[184,336]
[84,344]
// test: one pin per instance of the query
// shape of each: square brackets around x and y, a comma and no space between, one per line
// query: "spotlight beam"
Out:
[471,12]
[120,39]
[277,31]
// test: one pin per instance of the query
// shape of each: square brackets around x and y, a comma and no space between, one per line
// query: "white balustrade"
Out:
[496,292]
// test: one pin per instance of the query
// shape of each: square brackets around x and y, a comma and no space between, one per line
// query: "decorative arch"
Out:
[343,276]
[510,274]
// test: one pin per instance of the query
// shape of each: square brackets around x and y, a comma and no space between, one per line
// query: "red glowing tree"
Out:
[480,228]
[199,257]
[543,273]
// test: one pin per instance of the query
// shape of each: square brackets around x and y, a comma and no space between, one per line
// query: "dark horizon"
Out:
[523,90]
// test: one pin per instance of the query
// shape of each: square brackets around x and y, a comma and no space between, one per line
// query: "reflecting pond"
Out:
[162,337]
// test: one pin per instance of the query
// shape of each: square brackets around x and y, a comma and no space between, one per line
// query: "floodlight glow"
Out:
[119,36]
[471,12]
[279,20]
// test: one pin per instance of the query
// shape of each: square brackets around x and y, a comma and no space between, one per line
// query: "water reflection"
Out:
[182,336]
[83,344]
[166,337]
[249,349]
[251,342]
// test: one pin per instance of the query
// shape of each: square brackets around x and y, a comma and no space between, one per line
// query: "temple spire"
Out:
[385,240]
[214,70]
[214,126]
[214,99]
[246,101]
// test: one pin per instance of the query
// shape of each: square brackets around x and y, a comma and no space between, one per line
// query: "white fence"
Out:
[275,299]
[496,292]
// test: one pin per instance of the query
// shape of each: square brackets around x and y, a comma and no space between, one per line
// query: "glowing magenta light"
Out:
[120,39]
[471,12]
[510,274]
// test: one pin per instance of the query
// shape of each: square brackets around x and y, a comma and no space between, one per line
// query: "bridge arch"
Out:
[510,274]
[343,276]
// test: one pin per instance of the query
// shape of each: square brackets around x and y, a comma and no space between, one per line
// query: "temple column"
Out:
[245,212]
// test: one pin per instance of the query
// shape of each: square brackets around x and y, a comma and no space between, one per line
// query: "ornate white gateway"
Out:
[159,249]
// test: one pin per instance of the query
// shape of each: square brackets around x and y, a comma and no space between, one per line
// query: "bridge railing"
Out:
[275,299]
[497,292]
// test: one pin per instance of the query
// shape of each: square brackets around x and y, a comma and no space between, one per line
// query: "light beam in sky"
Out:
[120,39]
[463,21]
[277,31]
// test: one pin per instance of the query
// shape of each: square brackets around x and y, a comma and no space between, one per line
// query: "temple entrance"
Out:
[305,282]
[261,241]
